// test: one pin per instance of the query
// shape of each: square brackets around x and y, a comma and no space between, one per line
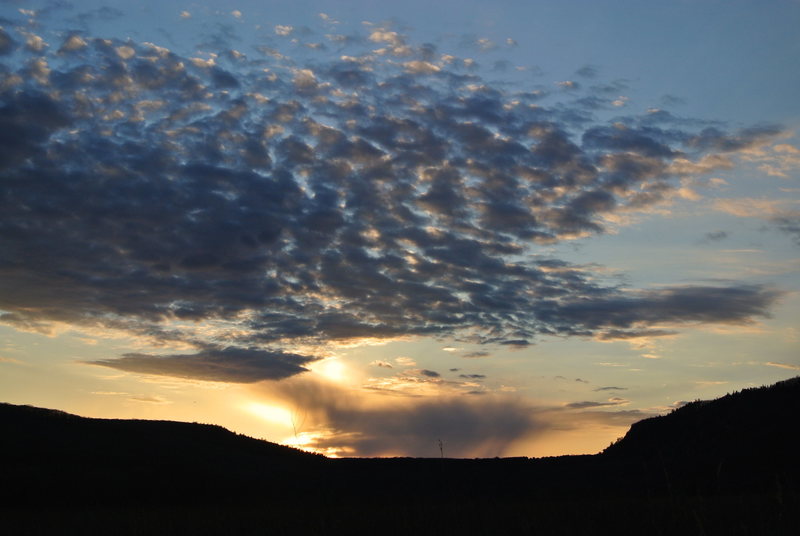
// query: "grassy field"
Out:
[723,515]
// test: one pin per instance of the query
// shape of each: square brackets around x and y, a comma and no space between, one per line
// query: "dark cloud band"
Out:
[234,365]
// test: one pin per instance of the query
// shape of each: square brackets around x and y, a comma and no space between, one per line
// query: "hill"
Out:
[742,441]
[50,454]
[726,466]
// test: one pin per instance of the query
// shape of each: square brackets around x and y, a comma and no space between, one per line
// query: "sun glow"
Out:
[332,369]
[274,414]
[306,440]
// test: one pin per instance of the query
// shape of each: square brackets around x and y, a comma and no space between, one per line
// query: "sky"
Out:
[362,228]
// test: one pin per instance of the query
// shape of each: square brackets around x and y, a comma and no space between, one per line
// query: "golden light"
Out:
[303,440]
[306,441]
[332,369]
[274,414]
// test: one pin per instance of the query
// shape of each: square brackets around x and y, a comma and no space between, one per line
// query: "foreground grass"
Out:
[721,515]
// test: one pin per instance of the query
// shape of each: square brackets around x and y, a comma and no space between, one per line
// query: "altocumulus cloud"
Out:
[252,201]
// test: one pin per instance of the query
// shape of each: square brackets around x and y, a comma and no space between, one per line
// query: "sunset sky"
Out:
[363,227]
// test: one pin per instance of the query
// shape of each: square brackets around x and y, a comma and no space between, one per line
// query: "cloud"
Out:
[242,206]
[616,401]
[382,35]
[778,212]
[620,101]
[348,422]
[342,420]
[72,43]
[716,236]
[789,223]
[787,366]
[148,399]
[587,71]
[746,138]
[475,355]
[750,207]
[7,43]
[327,18]
[622,315]
[234,365]
[633,334]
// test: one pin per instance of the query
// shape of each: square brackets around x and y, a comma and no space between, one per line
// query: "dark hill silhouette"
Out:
[39,431]
[727,466]
[744,440]
[746,421]
[47,452]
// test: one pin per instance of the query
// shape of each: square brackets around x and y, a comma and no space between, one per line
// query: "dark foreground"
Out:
[722,467]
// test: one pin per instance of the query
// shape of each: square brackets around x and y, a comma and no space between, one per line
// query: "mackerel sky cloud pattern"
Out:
[247,202]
